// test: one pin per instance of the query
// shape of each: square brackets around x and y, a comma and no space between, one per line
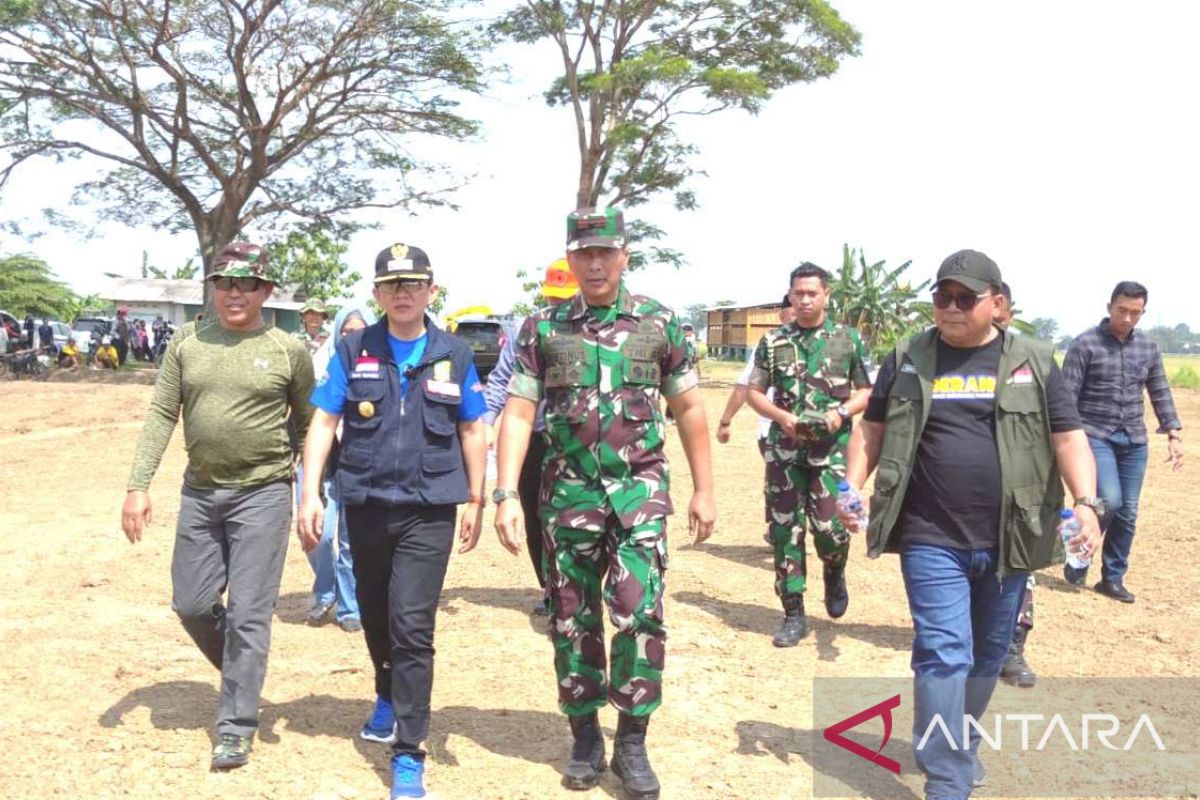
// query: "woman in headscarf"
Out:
[334,582]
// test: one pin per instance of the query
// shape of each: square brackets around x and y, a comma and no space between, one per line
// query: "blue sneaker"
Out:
[408,776]
[381,727]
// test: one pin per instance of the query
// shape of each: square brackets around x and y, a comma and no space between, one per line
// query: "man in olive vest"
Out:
[973,432]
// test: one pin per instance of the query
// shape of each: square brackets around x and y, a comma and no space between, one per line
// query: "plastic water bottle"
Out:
[1068,529]
[849,501]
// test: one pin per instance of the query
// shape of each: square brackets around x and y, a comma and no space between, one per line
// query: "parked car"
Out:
[487,337]
[87,331]
[11,332]
[62,332]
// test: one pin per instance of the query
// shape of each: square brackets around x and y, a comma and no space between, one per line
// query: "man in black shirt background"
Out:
[970,428]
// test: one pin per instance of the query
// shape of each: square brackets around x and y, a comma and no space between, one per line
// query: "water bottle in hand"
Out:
[850,502]
[1068,529]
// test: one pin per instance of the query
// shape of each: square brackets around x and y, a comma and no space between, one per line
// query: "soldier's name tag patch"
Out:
[365,368]
[444,388]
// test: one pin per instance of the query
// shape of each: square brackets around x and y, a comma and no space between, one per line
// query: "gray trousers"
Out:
[235,539]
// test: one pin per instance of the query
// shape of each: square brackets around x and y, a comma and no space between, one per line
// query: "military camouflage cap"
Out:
[402,262]
[595,227]
[240,260]
[972,269]
[314,304]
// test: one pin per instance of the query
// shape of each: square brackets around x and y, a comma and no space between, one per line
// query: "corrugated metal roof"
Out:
[182,292]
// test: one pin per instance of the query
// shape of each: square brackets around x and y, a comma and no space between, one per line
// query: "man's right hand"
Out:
[723,432]
[310,521]
[136,514]
[510,525]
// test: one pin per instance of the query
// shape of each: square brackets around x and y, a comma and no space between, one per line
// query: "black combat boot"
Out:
[587,754]
[837,598]
[1016,670]
[795,626]
[630,762]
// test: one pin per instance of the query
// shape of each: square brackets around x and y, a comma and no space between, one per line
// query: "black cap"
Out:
[972,269]
[402,262]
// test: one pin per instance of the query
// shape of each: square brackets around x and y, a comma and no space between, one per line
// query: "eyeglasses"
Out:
[243,285]
[964,302]
[408,287]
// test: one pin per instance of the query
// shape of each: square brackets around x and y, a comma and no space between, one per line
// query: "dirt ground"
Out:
[107,697]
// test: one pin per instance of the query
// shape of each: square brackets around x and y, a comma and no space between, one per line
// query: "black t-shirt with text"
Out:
[954,491]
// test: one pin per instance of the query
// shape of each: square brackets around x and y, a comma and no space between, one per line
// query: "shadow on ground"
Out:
[765,621]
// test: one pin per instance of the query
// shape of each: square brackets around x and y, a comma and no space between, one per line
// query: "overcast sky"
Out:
[1058,137]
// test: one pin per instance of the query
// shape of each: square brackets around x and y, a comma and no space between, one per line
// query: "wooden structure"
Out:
[735,330]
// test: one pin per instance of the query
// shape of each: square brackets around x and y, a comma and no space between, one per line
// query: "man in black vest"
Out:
[413,447]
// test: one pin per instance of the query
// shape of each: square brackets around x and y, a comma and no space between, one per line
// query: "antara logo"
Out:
[883,710]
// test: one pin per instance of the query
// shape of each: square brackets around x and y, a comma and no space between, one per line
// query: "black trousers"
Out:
[528,487]
[400,557]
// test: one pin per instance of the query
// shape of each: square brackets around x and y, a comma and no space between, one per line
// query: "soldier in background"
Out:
[601,361]
[819,375]
[1016,669]
[313,315]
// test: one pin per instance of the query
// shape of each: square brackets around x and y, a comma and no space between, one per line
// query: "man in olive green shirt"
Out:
[236,382]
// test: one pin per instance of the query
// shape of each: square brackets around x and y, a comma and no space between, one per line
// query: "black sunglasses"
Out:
[965,302]
[244,285]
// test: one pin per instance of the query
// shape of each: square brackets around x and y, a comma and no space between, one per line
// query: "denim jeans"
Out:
[963,618]
[1120,469]
[334,572]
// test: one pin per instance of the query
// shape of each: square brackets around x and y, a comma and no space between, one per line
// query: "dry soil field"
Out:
[105,696]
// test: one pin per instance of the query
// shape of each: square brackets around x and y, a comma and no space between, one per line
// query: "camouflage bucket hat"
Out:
[595,227]
[314,304]
[240,260]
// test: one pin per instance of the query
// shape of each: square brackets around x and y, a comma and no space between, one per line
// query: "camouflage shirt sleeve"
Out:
[760,375]
[678,370]
[860,367]
[528,368]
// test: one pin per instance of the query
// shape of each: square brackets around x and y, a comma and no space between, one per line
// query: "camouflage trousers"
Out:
[1025,615]
[800,496]
[576,562]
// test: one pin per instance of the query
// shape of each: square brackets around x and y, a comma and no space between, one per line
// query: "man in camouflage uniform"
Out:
[601,361]
[1016,669]
[818,371]
[313,315]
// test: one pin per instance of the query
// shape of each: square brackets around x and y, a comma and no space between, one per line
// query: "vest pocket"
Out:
[441,415]
[636,405]
[363,408]
[1029,545]
[441,460]
[1022,412]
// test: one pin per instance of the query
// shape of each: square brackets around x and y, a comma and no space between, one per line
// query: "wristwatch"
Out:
[1094,503]
[500,495]
[843,412]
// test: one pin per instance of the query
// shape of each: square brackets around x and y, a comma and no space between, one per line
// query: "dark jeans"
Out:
[963,619]
[529,486]
[1120,469]
[235,538]
[400,557]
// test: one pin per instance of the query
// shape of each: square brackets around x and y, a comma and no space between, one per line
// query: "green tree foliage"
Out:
[1044,328]
[531,294]
[216,116]
[1177,339]
[878,301]
[28,285]
[311,259]
[632,70]
[186,271]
